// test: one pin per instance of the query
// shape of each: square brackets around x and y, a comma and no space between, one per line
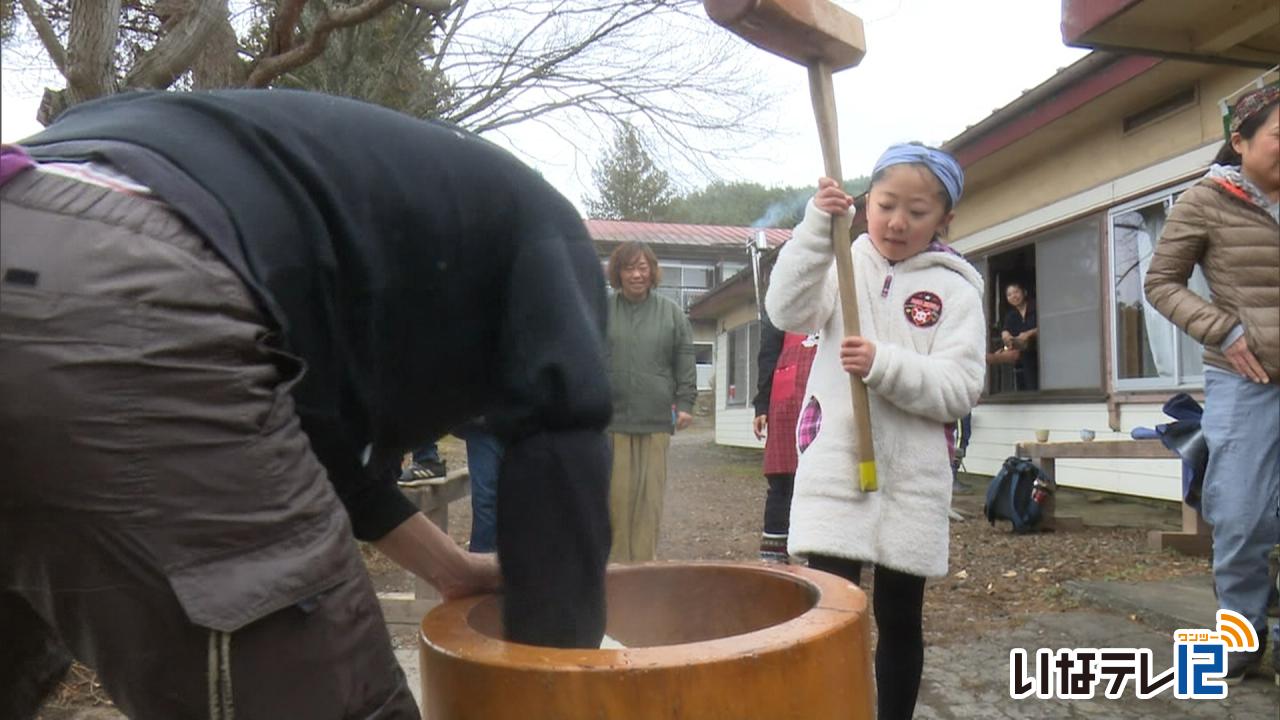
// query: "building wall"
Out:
[742,314]
[1082,163]
[998,428]
[703,330]
[733,424]
[1093,165]
[1089,147]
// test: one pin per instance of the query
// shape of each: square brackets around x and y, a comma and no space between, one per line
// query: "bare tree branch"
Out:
[577,66]
[48,36]
[658,64]
[443,47]
[182,39]
[268,68]
[501,87]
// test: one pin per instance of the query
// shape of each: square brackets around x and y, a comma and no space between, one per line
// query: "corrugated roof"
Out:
[654,233]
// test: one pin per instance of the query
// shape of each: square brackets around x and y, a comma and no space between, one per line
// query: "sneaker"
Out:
[416,474]
[1240,664]
[773,548]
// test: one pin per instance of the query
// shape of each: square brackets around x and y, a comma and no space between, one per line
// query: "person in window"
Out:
[654,384]
[1019,333]
[224,318]
[1227,223]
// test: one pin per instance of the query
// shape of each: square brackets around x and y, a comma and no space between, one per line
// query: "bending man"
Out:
[224,318]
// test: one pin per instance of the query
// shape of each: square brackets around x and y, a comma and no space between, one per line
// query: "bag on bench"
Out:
[1018,494]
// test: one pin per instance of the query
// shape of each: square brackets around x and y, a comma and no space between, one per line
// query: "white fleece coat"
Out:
[928,371]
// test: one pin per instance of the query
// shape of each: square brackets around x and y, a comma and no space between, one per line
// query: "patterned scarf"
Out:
[1230,176]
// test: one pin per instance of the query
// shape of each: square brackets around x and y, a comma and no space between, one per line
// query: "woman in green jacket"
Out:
[651,369]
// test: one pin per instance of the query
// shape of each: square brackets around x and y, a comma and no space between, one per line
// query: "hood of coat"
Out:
[937,254]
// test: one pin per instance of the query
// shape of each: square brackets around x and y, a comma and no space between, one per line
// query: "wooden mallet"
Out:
[826,39]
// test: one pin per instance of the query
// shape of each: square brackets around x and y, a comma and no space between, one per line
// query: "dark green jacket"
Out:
[650,363]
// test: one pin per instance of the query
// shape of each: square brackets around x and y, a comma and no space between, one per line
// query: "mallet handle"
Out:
[822,93]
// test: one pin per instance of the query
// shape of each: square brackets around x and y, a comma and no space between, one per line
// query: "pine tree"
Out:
[629,184]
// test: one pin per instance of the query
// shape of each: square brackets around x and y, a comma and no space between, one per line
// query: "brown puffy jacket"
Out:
[1238,245]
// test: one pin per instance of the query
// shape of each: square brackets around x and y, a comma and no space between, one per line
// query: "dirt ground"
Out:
[714,502]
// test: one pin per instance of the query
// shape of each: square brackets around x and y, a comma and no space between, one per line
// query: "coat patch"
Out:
[923,309]
[809,424]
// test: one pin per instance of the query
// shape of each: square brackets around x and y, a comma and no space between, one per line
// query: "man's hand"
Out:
[483,575]
[760,426]
[683,420]
[857,354]
[423,549]
[1245,362]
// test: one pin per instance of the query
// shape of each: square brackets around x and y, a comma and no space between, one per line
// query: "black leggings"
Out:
[777,504]
[898,600]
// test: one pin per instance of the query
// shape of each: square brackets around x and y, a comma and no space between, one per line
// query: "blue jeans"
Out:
[484,459]
[427,453]
[1241,497]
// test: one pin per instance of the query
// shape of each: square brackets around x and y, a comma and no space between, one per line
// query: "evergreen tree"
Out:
[747,203]
[629,184]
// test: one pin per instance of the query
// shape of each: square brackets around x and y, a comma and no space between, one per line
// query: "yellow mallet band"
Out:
[867,476]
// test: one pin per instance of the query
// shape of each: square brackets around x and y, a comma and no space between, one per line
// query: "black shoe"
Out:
[1275,663]
[1240,664]
[421,473]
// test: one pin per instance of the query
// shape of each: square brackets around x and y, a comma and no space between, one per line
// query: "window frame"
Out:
[1032,238]
[1179,381]
[706,369]
[673,271]
[743,391]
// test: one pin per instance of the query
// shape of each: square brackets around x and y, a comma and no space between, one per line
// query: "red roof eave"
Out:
[1069,98]
[1082,16]
[654,233]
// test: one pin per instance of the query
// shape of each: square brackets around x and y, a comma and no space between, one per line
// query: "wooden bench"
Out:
[1195,536]
[432,498]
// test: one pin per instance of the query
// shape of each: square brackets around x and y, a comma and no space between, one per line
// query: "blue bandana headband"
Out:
[941,164]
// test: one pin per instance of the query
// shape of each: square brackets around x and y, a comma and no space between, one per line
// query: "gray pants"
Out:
[1241,496]
[162,514]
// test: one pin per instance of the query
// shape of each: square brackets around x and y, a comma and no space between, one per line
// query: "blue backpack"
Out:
[1018,494]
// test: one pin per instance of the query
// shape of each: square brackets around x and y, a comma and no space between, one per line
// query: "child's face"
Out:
[905,211]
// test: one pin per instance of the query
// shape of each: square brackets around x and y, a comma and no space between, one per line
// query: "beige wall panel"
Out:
[1088,147]
[998,428]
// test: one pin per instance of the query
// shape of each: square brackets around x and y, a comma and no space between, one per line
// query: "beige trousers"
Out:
[635,494]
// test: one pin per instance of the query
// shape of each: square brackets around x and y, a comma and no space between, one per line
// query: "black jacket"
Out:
[424,275]
[766,362]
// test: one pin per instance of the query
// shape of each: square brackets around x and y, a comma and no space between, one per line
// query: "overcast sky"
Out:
[933,68]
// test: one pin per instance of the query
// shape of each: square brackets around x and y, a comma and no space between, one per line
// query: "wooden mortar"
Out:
[703,641]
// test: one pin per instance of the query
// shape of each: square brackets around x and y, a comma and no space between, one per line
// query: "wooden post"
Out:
[1195,538]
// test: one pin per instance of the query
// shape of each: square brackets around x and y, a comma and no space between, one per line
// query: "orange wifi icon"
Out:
[1236,632]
